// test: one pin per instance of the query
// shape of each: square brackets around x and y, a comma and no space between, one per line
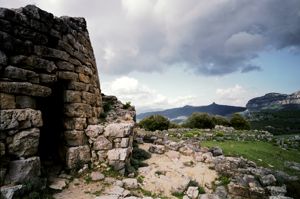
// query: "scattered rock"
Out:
[192,192]
[221,192]
[209,196]
[115,190]
[159,149]
[277,191]
[58,183]
[267,180]
[108,197]
[216,151]
[130,183]
[7,192]
[96,176]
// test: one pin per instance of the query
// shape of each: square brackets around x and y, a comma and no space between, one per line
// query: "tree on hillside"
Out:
[154,122]
[239,122]
[220,120]
[200,121]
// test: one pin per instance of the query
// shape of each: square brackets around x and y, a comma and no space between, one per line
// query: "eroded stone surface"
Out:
[23,170]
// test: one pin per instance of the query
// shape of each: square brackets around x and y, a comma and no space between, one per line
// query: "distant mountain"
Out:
[275,112]
[274,101]
[180,114]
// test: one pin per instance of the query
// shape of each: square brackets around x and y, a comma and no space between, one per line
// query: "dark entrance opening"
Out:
[51,134]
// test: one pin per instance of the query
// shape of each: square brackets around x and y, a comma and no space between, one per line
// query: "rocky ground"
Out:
[168,172]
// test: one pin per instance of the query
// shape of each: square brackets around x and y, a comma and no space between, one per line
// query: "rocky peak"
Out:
[273,101]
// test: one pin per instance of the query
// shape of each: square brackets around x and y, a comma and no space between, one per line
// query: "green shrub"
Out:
[127,105]
[224,180]
[174,125]
[140,154]
[178,195]
[154,122]
[200,121]
[219,134]
[201,190]
[239,122]
[220,120]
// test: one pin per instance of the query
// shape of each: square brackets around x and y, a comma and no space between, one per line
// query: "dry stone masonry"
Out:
[50,98]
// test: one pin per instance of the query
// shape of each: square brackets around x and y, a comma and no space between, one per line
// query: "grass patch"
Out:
[192,133]
[111,172]
[140,179]
[178,195]
[271,156]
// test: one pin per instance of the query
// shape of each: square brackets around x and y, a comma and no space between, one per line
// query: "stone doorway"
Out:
[51,143]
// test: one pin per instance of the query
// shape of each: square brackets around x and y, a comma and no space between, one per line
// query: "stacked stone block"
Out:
[38,51]
[111,143]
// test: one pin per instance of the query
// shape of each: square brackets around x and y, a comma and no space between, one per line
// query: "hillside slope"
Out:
[183,112]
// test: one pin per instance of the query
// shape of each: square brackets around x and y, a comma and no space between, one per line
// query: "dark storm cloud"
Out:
[215,37]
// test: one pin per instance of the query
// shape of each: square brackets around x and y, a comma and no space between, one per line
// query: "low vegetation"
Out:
[239,122]
[154,122]
[263,153]
[200,121]
[276,122]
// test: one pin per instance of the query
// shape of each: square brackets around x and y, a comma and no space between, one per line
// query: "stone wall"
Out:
[49,91]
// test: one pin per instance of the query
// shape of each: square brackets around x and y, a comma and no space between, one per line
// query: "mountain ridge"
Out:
[274,101]
[180,113]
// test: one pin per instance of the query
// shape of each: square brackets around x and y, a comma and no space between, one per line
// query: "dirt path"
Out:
[79,189]
[169,172]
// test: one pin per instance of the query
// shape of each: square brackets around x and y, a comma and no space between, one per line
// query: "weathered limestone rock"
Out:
[277,191]
[7,101]
[92,131]
[216,151]
[25,102]
[80,110]
[118,154]
[20,119]
[101,143]
[209,196]
[130,183]
[34,62]
[124,142]
[25,88]
[16,73]
[75,123]
[77,155]
[192,192]
[25,143]
[23,170]
[159,149]
[8,192]
[75,138]
[118,130]
[58,183]
[72,96]
[267,180]
[96,176]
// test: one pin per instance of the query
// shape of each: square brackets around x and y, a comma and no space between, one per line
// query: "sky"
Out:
[161,54]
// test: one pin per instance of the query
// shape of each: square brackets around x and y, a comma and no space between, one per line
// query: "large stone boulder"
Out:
[77,156]
[25,143]
[119,130]
[21,171]
[159,149]
[93,131]
[101,143]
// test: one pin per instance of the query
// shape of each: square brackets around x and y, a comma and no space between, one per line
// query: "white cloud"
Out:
[236,95]
[142,96]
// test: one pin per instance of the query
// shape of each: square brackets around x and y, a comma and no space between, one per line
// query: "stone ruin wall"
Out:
[46,60]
